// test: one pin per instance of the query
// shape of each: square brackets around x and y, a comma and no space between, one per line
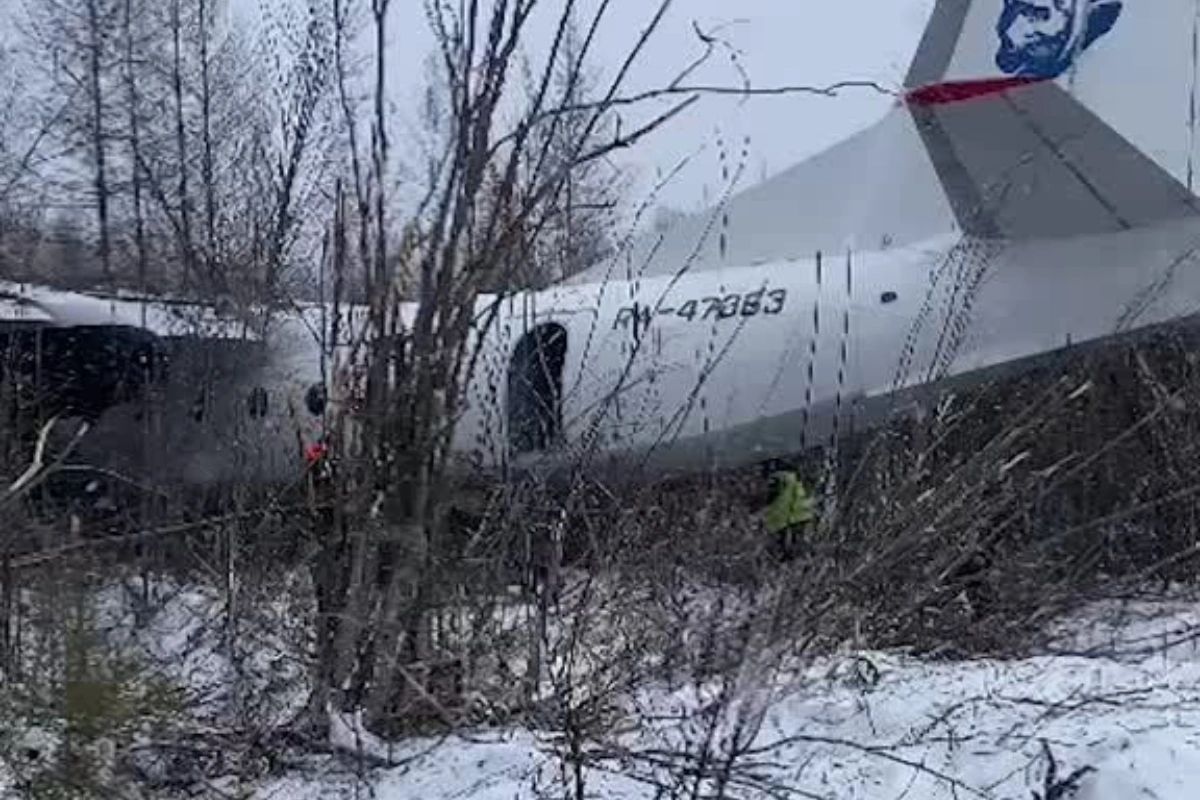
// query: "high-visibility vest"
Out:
[792,505]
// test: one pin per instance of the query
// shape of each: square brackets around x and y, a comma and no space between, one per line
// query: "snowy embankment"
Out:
[1119,698]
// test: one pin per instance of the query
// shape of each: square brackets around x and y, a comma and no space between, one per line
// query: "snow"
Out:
[1119,693]
[180,636]
[1115,694]
[145,640]
[1158,767]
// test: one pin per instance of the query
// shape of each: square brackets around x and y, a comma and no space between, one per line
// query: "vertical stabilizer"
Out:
[1060,117]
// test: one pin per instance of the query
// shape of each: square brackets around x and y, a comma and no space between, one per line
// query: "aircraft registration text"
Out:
[744,304]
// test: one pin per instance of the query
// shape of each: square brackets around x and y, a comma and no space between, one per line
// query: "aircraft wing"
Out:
[32,304]
[17,310]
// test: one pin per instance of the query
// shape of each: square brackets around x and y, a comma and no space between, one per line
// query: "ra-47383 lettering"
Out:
[701,309]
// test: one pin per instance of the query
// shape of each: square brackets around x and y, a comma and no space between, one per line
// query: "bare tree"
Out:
[577,231]
[80,39]
[308,85]
[132,42]
[494,191]
[10,137]
[205,25]
[98,17]
[13,161]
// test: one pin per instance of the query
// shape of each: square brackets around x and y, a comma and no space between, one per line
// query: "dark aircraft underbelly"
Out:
[193,431]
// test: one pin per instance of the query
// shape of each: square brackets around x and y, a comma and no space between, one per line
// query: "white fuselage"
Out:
[732,366]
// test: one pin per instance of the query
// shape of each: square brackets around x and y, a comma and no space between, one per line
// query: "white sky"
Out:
[781,42]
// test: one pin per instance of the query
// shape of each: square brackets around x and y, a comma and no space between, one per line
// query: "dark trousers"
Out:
[789,541]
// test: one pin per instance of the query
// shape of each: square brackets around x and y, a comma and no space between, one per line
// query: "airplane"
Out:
[1029,195]
[103,360]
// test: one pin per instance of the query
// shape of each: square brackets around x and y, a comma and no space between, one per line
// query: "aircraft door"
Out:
[534,389]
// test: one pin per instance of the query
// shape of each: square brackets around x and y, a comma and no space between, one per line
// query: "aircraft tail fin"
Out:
[1060,117]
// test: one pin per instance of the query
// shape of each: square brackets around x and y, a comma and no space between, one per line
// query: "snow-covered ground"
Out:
[1117,694]
[1120,695]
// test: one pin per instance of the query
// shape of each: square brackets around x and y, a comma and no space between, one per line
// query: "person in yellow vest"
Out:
[791,513]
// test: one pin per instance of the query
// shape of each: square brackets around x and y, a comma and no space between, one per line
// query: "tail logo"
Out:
[1042,38]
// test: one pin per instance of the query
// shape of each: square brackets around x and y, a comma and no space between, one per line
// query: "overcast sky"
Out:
[781,42]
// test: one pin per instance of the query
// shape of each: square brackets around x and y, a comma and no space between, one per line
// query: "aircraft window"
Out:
[887,297]
[535,384]
[258,402]
[315,399]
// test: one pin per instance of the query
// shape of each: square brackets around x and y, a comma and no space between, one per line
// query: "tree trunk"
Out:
[100,154]
[139,217]
[185,215]
[210,199]
[395,626]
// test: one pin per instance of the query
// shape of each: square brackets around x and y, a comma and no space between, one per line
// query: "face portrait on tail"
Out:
[1042,38]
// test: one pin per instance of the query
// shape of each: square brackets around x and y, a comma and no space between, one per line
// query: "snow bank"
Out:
[1120,695]
[1117,692]
[183,633]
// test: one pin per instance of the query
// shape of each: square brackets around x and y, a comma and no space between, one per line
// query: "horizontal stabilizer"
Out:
[1048,118]
[1030,161]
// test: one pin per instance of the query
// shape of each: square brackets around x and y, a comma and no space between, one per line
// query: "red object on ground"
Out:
[315,452]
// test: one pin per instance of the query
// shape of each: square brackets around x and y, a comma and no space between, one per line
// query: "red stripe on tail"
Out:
[937,94]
